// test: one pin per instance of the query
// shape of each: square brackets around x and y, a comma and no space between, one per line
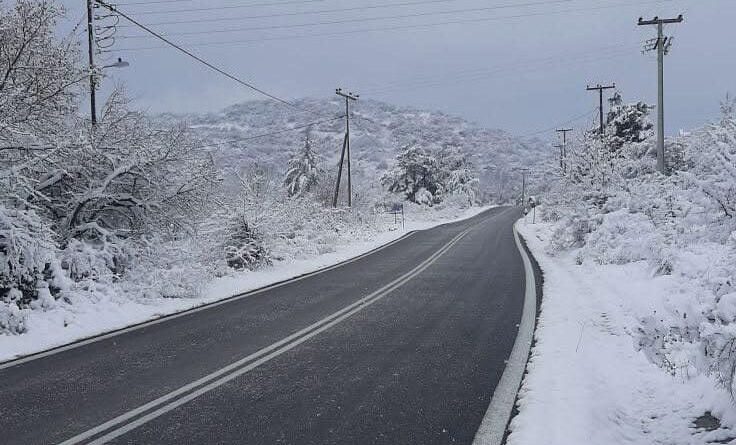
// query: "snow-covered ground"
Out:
[588,380]
[64,323]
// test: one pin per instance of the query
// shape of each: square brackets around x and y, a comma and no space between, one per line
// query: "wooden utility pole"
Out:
[600,89]
[563,149]
[90,51]
[345,148]
[662,44]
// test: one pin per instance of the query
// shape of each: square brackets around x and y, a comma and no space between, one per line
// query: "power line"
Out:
[397,27]
[561,124]
[329,11]
[214,8]
[359,20]
[479,75]
[151,2]
[195,57]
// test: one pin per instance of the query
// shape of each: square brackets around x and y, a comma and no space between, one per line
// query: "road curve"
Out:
[403,346]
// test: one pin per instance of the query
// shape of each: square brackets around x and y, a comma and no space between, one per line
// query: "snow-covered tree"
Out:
[414,175]
[627,123]
[711,156]
[456,175]
[38,77]
[126,177]
[303,172]
[624,152]
[37,74]
[428,176]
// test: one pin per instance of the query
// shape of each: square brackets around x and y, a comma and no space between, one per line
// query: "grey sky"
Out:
[521,74]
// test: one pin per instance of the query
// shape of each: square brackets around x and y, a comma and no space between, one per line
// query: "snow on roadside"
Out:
[587,382]
[65,323]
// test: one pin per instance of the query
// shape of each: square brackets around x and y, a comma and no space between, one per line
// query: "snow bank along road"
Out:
[405,345]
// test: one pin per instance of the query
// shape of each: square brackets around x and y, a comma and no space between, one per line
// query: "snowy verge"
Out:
[587,381]
[66,323]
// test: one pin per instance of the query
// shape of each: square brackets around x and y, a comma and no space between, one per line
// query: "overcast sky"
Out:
[519,65]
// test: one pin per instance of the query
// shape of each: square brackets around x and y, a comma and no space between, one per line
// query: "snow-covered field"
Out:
[64,323]
[588,380]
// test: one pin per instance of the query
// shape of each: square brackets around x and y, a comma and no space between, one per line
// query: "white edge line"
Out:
[237,368]
[493,427]
[164,318]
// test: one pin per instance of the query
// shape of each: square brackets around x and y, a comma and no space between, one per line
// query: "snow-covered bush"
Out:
[27,257]
[682,225]
[166,267]
[711,155]
[244,246]
[622,237]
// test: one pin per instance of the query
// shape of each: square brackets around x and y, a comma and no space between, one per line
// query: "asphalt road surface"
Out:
[403,346]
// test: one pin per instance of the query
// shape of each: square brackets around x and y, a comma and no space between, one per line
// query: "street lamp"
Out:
[119,64]
[93,84]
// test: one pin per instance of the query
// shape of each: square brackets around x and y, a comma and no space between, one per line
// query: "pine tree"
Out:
[303,172]
[457,176]
[626,123]
[426,177]
[413,175]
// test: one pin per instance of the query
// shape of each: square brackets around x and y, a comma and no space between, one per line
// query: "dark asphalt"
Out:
[417,367]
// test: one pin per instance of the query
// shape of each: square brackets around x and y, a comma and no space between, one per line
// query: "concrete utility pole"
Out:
[524,172]
[90,51]
[345,148]
[662,44]
[563,149]
[600,89]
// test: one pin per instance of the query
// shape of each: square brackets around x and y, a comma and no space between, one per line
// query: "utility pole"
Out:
[90,50]
[600,89]
[662,44]
[523,188]
[345,148]
[563,149]
[524,172]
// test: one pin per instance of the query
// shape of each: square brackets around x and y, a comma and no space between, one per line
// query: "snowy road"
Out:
[401,346]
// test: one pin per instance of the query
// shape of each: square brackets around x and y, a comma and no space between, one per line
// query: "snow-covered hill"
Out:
[378,131]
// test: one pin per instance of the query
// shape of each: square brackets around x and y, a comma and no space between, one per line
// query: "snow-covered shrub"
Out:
[244,248]
[711,155]
[102,258]
[622,237]
[27,257]
[571,231]
[682,225]
[165,267]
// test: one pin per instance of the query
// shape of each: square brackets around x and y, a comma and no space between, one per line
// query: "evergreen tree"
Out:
[457,176]
[626,123]
[414,175]
[303,171]
[425,177]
